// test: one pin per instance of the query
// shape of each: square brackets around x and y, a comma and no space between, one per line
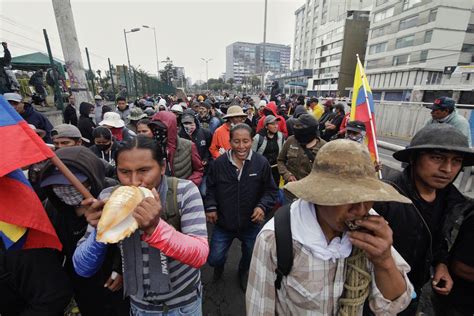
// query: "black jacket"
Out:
[37,119]
[90,293]
[70,115]
[236,199]
[421,246]
[86,125]
[5,83]
[32,282]
[201,137]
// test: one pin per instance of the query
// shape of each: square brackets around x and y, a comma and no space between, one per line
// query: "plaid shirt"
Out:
[313,286]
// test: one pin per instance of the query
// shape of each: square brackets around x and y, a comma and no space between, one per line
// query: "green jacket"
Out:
[292,159]
[458,121]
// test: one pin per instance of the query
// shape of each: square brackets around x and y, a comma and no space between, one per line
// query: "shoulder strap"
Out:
[284,244]
[171,214]
[260,141]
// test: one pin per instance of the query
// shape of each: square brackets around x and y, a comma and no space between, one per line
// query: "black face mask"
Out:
[267,112]
[305,135]
[102,147]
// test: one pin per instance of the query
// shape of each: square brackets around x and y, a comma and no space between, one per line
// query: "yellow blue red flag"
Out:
[362,108]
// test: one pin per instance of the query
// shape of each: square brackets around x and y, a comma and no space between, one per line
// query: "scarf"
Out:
[306,230]
[133,258]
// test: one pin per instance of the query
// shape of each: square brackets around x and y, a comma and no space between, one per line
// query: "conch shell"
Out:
[117,222]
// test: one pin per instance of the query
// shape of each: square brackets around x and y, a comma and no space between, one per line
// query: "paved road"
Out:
[223,297]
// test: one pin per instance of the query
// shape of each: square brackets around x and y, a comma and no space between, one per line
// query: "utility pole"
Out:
[135,80]
[264,44]
[207,73]
[90,71]
[71,50]
[125,75]
[156,50]
[57,91]
[129,72]
[111,76]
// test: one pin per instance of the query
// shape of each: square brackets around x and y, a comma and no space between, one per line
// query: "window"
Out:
[377,48]
[470,28]
[408,4]
[432,15]
[380,2]
[337,44]
[381,15]
[375,63]
[401,60]
[467,48]
[408,23]
[423,56]
[380,31]
[406,41]
[428,35]
[335,57]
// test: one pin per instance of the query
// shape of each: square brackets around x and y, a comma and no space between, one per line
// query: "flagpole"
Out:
[374,139]
[71,177]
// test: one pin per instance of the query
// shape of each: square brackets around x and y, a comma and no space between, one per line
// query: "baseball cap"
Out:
[270,119]
[187,118]
[356,126]
[443,103]
[57,177]
[15,97]
[67,131]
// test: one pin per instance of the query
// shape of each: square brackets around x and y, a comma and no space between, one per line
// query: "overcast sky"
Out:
[186,30]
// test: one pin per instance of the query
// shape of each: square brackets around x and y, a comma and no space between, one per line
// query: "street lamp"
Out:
[207,74]
[126,46]
[156,50]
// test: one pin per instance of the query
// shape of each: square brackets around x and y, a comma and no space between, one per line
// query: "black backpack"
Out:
[284,243]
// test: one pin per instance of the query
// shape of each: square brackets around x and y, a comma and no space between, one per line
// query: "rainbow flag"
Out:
[23,219]
[362,108]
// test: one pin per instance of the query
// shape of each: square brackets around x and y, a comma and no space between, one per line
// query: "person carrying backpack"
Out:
[307,262]
[269,142]
[161,259]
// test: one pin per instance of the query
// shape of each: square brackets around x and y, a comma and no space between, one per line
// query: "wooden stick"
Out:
[71,177]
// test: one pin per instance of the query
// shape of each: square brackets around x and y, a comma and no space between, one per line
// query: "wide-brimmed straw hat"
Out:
[343,173]
[442,137]
[234,111]
[112,119]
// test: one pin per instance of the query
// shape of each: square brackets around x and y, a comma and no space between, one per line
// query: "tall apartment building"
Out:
[246,59]
[328,35]
[414,45]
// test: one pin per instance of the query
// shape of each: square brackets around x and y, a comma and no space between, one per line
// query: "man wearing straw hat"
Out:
[333,269]
[221,138]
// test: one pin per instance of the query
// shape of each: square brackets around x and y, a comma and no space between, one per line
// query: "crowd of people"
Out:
[289,177]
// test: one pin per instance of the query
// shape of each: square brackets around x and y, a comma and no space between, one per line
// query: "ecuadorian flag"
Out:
[362,108]
[23,220]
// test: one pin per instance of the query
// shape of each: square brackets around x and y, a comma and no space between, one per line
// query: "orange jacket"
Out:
[220,139]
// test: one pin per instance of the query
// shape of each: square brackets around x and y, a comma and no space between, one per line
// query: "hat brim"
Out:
[235,115]
[405,155]
[59,178]
[330,189]
[137,118]
[114,124]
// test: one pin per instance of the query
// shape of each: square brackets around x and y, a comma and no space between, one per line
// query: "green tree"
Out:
[231,82]
[168,73]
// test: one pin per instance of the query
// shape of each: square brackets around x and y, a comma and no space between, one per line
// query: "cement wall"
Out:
[55,117]
[403,120]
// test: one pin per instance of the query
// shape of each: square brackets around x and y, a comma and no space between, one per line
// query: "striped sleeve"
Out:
[190,246]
